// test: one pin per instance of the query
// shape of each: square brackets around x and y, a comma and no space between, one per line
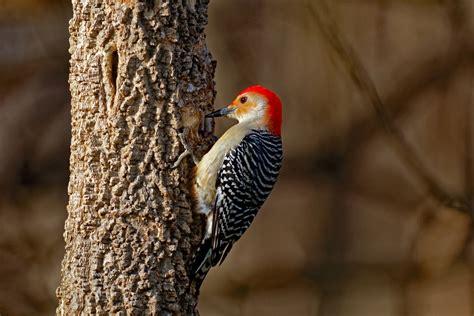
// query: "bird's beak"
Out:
[221,112]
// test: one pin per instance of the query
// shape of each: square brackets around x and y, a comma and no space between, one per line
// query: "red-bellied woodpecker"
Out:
[238,173]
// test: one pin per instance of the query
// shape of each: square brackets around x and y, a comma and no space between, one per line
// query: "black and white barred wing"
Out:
[245,180]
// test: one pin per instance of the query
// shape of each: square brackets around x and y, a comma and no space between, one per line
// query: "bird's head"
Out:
[257,106]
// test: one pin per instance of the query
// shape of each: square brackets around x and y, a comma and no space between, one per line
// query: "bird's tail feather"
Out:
[201,262]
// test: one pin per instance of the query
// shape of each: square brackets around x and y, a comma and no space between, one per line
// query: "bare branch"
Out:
[469,130]
[359,76]
[412,84]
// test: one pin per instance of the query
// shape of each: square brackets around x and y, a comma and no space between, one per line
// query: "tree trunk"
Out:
[140,72]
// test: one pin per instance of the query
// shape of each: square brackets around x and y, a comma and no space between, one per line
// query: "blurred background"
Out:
[352,227]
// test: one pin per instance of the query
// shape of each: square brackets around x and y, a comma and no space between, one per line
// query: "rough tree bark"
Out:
[140,71]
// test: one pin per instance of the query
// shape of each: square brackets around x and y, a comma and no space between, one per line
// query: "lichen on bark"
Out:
[140,71]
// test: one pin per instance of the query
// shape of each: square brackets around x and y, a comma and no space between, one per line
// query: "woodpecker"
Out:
[237,174]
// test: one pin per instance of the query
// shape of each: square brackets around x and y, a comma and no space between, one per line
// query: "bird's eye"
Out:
[243,100]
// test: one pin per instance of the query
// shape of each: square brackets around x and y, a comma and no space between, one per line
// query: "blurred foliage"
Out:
[350,228]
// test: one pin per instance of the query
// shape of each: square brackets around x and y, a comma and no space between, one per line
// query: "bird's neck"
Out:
[248,123]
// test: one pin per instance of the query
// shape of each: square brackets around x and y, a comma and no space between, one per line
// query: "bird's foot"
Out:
[187,150]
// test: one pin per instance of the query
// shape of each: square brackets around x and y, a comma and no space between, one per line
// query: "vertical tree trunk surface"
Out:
[139,71]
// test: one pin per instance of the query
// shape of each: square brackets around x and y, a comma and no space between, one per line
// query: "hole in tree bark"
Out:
[114,60]
[150,4]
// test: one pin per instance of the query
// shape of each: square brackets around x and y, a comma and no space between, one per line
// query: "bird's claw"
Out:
[183,155]
[187,151]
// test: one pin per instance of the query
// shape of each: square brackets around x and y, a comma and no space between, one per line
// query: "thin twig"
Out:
[457,17]
[412,84]
[362,80]
[469,130]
